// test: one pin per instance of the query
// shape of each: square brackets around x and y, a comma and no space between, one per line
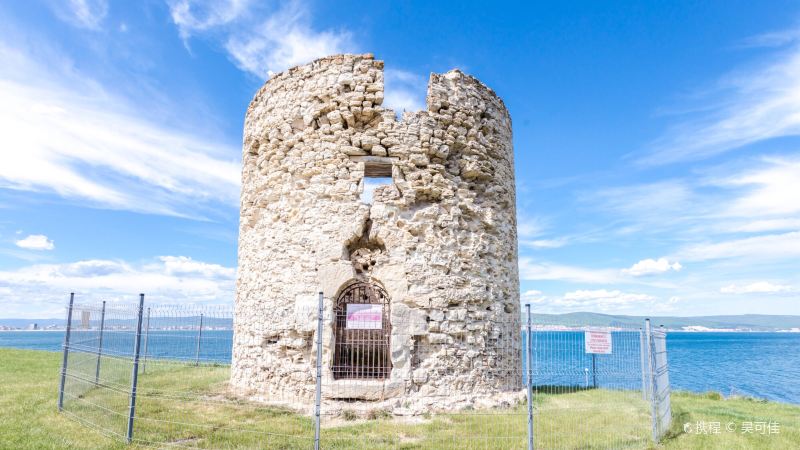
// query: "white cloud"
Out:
[33,291]
[602,297]
[404,91]
[544,243]
[773,39]
[724,199]
[260,41]
[598,300]
[760,225]
[36,242]
[529,270]
[185,266]
[652,266]
[753,105]
[774,189]
[530,295]
[192,16]
[284,40]
[533,297]
[595,300]
[764,247]
[87,14]
[64,133]
[532,231]
[263,41]
[530,227]
[677,204]
[760,287]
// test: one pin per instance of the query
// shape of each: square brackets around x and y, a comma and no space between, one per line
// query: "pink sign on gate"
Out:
[364,316]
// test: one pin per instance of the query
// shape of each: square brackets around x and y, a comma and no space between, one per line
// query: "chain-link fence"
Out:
[159,376]
[590,384]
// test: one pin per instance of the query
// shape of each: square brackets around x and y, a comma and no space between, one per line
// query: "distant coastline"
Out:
[49,330]
[692,324]
[688,329]
[747,323]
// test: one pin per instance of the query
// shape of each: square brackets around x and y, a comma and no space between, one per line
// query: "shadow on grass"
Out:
[553,389]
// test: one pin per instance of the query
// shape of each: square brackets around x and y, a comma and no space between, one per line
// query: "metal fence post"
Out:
[199,336]
[642,363]
[652,386]
[100,343]
[66,353]
[146,340]
[529,358]
[135,370]
[594,371]
[318,399]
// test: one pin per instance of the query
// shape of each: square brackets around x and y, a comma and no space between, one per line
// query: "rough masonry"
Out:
[440,240]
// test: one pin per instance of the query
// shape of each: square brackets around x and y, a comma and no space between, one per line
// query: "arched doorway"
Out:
[362,333]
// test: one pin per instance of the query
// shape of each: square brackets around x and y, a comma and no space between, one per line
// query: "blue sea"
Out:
[762,365]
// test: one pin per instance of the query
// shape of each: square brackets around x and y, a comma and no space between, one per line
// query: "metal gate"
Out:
[362,333]
[659,389]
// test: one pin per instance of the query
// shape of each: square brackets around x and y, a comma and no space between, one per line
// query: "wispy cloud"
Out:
[88,14]
[772,189]
[753,195]
[404,91]
[652,206]
[532,233]
[66,134]
[772,39]
[760,287]
[761,225]
[261,39]
[544,243]
[756,248]
[594,300]
[530,270]
[752,105]
[284,40]
[265,39]
[37,290]
[603,298]
[36,242]
[193,16]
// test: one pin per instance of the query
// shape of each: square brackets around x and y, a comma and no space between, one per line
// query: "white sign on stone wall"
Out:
[598,342]
[364,316]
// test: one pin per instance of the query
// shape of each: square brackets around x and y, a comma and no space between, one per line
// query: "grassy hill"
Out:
[29,420]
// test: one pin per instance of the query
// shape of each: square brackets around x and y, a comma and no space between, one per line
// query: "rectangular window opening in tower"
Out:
[376,174]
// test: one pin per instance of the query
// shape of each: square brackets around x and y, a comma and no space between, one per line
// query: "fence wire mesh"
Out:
[602,394]
[661,410]
[459,380]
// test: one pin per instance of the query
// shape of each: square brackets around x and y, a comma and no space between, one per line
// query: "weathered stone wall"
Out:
[442,239]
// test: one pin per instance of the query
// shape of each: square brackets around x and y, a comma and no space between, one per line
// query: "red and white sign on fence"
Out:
[364,316]
[598,341]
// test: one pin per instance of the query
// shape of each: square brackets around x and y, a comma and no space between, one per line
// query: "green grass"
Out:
[190,407]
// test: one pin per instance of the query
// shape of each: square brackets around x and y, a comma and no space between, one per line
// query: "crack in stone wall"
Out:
[441,239]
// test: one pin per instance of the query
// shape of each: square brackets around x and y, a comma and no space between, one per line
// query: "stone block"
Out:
[333,275]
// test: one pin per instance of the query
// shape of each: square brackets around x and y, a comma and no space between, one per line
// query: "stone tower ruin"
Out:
[420,282]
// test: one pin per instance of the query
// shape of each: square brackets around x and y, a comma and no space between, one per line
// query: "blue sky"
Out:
[656,144]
